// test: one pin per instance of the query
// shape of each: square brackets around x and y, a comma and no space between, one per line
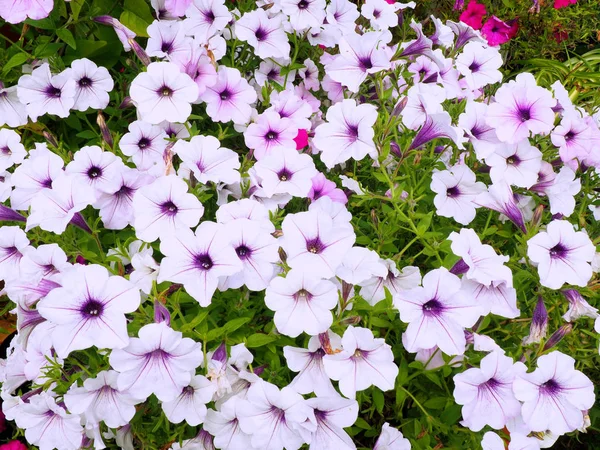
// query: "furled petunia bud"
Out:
[539,323]
[106,135]
[537,215]
[558,335]
[578,306]
[51,139]
[161,313]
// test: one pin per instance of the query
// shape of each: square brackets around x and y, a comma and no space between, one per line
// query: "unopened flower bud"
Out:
[558,335]
[51,139]
[220,354]
[346,290]
[395,150]
[459,267]
[282,255]
[374,218]
[140,52]
[126,103]
[537,215]
[578,306]
[539,323]
[400,106]
[106,135]
[80,222]
[161,313]
[352,320]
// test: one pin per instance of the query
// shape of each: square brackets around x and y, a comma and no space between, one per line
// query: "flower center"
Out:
[271,135]
[260,34]
[225,95]
[315,246]
[432,308]
[5,151]
[144,142]
[524,113]
[94,172]
[302,295]
[124,191]
[166,47]
[550,387]
[365,63]
[52,91]
[558,251]
[352,131]
[284,175]
[84,82]
[513,160]
[474,67]
[204,261]
[453,192]
[92,308]
[243,252]
[165,91]
[169,208]
[570,135]
[47,183]
[303,4]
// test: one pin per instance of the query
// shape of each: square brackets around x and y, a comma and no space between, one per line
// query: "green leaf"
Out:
[436,403]
[424,223]
[234,324]
[140,8]
[17,60]
[135,23]
[378,400]
[46,50]
[76,6]
[381,323]
[362,423]
[44,24]
[66,36]
[258,340]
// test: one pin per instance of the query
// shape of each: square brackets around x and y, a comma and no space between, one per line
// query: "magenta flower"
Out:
[473,15]
[496,31]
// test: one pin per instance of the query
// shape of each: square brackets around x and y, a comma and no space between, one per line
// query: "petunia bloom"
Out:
[555,395]
[160,361]
[363,362]
[562,255]
[89,309]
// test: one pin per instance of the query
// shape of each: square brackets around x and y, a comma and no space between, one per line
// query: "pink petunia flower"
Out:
[473,15]
[558,4]
[495,31]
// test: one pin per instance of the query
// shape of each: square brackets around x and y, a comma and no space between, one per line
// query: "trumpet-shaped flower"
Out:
[391,439]
[271,133]
[35,174]
[190,405]
[437,313]
[42,93]
[47,425]
[517,164]
[225,427]
[301,303]
[12,111]
[273,417]
[92,84]
[89,309]
[521,108]
[308,362]
[479,261]
[363,362]
[13,246]
[479,65]
[266,35]
[257,251]
[198,260]
[96,168]
[304,14]
[145,143]
[206,18]
[163,93]
[456,191]
[160,362]
[53,209]
[486,393]
[347,134]
[313,244]
[562,255]
[11,150]
[373,290]
[229,99]
[163,207]
[555,395]
[208,160]
[360,56]
[100,400]
[332,415]
[286,172]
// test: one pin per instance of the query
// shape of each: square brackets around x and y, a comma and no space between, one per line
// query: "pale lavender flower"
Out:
[89,310]
[190,405]
[159,362]
[499,197]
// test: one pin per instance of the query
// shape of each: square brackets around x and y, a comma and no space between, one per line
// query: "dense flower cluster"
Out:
[232,184]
